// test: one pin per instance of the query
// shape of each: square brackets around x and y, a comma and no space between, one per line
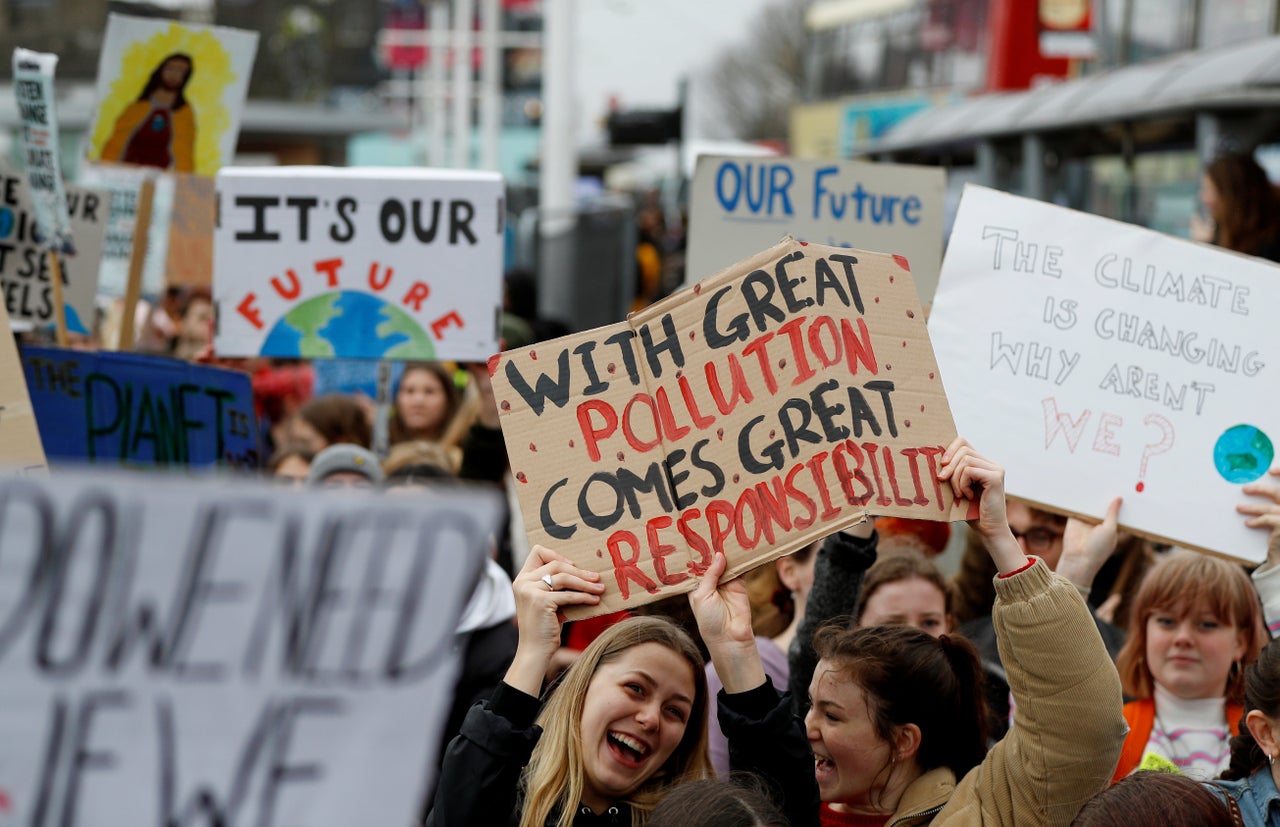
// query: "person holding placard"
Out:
[1196,625]
[627,721]
[896,732]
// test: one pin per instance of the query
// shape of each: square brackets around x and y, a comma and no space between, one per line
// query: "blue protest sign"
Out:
[130,409]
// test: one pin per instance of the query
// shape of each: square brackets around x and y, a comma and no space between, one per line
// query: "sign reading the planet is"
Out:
[371,263]
[1096,359]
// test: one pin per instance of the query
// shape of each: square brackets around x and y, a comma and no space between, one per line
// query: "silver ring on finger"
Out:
[546,580]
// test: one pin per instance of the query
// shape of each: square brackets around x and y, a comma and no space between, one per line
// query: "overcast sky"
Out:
[638,50]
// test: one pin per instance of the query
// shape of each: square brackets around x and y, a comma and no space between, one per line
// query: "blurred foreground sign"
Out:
[1096,359]
[755,412]
[736,202]
[320,262]
[178,651]
[131,409]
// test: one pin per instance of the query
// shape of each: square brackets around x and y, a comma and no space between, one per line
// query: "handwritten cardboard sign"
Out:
[322,262]
[25,270]
[20,448]
[130,409]
[735,201]
[1098,359]
[763,408]
[182,651]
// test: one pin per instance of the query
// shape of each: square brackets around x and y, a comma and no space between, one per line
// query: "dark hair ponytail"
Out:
[1261,692]
[910,677]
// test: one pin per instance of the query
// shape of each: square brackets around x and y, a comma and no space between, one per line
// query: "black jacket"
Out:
[480,780]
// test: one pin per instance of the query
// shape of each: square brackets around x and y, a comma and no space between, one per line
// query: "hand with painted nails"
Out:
[545,585]
[974,477]
[1265,512]
[1086,547]
[723,612]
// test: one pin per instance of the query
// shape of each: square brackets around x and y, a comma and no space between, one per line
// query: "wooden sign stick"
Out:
[59,303]
[137,259]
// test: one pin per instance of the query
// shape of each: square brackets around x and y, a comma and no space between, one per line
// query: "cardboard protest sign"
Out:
[170,95]
[1096,359]
[182,651]
[323,262]
[734,201]
[25,270]
[755,412]
[33,85]
[189,251]
[130,409]
[20,448]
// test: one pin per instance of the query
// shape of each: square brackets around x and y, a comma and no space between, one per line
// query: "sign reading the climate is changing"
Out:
[322,262]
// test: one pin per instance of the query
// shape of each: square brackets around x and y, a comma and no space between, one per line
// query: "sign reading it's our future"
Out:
[1102,359]
[180,651]
[322,262]
[763,408]
[893,207]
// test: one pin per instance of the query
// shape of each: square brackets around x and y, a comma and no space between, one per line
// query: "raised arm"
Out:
[1264,512]
[842,561]
[1069,730]
[480,776]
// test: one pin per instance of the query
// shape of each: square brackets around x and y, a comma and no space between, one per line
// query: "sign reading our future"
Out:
[324,262]
[1104,359]
[736,200]
[183,651]
[752,413]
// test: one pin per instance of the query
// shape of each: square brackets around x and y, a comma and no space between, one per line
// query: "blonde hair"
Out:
[555,777]
[1180,585]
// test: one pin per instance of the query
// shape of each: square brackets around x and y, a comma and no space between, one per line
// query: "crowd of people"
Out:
[1068,673]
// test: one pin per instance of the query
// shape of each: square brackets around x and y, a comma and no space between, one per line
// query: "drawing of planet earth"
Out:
[346,323]
[1242,454]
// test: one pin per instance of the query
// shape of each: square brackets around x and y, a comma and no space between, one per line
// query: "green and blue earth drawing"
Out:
[1242,454]
[347,323]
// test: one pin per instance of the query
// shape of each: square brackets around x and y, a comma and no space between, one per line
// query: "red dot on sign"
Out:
[782,363]
[877,299]
[907,422]
[1142,486]
[506,406]
[888,366]
[571,443]
[891,279]
[904,342]
[735,479]
[693,334]
[533,354]
[620,456]
[772,434]
[719,433]
[911,314]
[599,553]
[804,244]
[931,376]
[922,409]
[679,373]
[697,288]
[533,447]
[612,367]
[520,476]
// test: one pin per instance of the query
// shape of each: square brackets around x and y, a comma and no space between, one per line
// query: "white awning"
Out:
[828,14]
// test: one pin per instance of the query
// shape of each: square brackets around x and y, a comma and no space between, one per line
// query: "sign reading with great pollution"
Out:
[759,410]
[135,410]
[20,448]
[25,270]
[320,262]
[893,207]
[183,651]
[1102,359]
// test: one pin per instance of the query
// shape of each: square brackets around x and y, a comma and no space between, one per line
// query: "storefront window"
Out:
[1231,21]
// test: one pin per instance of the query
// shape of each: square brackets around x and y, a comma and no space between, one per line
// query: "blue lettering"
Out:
[781,190]
[729,203]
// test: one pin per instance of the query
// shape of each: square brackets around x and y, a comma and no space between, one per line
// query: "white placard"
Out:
[739,205]
[176,651]
[324,262]
[33,86]
[1097,359]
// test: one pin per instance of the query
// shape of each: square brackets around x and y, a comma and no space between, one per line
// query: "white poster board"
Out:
[738,205]
[170,94]
[33,86]
[358,262]
[25,270]
[1097,359]
[179,652]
